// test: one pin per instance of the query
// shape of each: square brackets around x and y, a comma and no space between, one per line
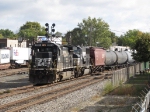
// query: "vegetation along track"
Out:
[48,95]
[9,72]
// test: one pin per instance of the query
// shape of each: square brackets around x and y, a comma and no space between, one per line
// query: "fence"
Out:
[143,104]
[122,75]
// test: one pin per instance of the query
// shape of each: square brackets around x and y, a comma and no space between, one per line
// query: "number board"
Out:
[43,44]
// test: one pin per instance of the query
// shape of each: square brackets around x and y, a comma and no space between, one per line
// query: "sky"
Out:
[121,15]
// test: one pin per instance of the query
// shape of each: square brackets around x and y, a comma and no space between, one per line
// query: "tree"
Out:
[75,37]
[113,37]
[7,34]
[58,34]
[1,36]
[95,30]
[31,30]
[142,47]
[129,38]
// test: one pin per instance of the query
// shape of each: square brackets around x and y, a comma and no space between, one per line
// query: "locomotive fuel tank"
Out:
[97,56]
[121,57]
[111,58]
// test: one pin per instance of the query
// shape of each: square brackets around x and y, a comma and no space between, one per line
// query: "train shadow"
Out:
[10,84]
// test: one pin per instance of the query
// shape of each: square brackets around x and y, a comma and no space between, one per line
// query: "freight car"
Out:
[4,59]
[14,57]
[19,56]
[116,59]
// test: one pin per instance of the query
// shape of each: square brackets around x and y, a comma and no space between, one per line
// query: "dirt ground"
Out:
[106,104]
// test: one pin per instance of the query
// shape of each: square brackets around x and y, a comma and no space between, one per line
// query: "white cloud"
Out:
[121,15]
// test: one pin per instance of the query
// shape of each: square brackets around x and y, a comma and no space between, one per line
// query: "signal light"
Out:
[46,24]
[53,30]
[46,29]
[53,25]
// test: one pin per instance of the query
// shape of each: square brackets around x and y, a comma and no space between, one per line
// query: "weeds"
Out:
[7,91]
[108,88]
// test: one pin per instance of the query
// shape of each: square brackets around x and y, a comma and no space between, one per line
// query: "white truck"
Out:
[19,56]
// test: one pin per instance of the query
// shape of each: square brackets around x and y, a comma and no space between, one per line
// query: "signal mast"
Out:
[48,35]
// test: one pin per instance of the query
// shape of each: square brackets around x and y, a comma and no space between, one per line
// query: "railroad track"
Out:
[9,72]
[48,95]
[31,88]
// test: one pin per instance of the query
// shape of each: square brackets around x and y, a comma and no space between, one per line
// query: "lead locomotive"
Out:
[53,62]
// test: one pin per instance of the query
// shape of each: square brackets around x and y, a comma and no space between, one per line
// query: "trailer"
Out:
[4,59]
[19,56]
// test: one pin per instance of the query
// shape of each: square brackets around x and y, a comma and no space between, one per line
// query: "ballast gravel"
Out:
[38,91]
[64,103]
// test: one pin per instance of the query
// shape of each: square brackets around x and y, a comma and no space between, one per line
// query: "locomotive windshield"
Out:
[43,55]
[50,49]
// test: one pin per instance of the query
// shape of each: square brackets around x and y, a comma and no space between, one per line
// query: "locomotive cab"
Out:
[44,61]
[44,56]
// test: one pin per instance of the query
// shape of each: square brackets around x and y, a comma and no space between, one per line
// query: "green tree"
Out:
[75,37]
[1,36]
[31,30]
[7,34]
[142,47]
[113,37]
[129,38]
[95,30]
[59,34]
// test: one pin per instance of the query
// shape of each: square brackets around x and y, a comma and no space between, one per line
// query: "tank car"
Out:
[121,57]
[110,59]
[130,57]
[116,59]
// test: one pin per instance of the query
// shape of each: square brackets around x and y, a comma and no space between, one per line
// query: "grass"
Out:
[108,88]
[133,87]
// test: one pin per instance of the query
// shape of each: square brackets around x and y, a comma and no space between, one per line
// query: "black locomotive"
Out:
[52,62]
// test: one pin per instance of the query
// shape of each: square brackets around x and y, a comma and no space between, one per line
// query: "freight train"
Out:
[14,57]
[53,62]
